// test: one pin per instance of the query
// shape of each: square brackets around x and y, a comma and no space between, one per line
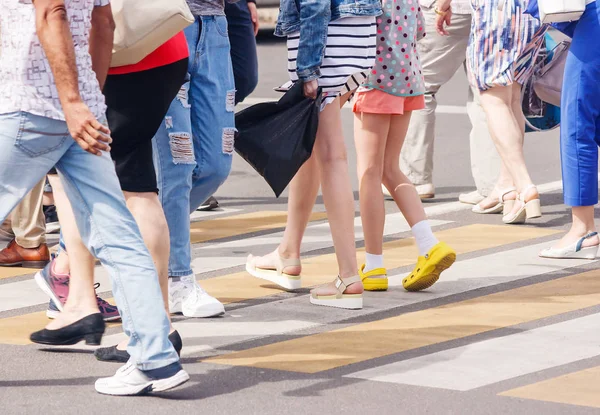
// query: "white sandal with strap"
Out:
[574,251]
[528,210]
[278,275]
[340,300]
[501,206]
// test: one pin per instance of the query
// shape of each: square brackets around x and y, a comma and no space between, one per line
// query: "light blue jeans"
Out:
[30,146]
[193,147]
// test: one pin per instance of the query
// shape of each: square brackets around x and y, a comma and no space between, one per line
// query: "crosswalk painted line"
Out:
[9,272]
[362,342]
[492,361]
[240,287]
[241,224]
[201,335]
[578,388]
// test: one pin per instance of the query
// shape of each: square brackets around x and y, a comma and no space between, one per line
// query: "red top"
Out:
[173,50]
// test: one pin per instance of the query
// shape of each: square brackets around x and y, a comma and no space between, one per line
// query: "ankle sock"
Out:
[373,262]
[424,237]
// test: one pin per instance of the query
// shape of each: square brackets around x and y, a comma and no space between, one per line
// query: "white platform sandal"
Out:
[575,251]
[501,206]
[528,210]
[340,300]
[278,275]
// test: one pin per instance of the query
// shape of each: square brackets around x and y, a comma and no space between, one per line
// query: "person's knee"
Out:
[372,171]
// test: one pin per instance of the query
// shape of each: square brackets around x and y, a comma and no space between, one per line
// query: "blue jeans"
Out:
[580,113]
[193,148]
[30,146]
[243,48]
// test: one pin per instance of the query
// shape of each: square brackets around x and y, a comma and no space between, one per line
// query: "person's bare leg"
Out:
[370,136]
[82,297]
[507,128]
[583,224]
[332,160]
[400,187]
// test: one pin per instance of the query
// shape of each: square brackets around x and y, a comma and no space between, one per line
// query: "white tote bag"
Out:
[143,25]
[558,11]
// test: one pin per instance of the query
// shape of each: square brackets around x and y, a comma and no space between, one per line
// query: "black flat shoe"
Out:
[90,328]
[112,354]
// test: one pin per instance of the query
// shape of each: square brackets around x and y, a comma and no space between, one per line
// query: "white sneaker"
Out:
[129,380]
[188,298]
[425,191]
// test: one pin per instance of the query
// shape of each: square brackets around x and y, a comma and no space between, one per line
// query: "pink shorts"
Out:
[378,102]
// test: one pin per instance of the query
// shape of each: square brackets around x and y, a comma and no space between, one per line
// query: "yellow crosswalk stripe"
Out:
[9,272]
[245,223]
[323,268]
[579,388]
[240,286]
[362,342]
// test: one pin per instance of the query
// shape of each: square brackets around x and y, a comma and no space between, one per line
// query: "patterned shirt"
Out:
[458,6]
[397,69]
[26,80]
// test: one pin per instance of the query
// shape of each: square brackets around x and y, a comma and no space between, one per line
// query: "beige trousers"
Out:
[441,57]
[26,222]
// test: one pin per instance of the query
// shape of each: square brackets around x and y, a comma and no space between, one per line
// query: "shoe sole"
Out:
[428,280]
[27,264]
[375,284]
[155,386]
[41,282]
[53,227]
[209,312]
[347,302]
[288,283]
[427,196]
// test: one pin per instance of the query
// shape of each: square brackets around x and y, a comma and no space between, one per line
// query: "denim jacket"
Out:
[311,18]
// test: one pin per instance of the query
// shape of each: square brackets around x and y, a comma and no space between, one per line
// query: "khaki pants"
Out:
[26,222]
[441,57]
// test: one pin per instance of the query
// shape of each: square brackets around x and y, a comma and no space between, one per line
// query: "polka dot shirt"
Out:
[397,69]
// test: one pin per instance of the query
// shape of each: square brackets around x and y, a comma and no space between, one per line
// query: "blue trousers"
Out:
[580,113]
[243,48]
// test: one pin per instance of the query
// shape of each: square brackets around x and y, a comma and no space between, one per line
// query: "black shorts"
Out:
[137,104]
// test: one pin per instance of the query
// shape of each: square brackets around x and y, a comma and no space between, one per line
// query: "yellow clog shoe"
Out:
[429,267]
[374,280]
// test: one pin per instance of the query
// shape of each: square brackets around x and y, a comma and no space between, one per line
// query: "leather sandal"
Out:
[340,300]
[528,210]
[277,275]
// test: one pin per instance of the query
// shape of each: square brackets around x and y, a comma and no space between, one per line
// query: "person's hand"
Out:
[254,16]
[444,16]
[85,129]
[311,88]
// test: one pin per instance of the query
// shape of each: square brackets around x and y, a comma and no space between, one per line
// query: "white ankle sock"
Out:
[424,237]
[373,262]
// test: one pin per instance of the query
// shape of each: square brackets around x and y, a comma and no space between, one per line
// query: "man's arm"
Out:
[55,36]
[101,41]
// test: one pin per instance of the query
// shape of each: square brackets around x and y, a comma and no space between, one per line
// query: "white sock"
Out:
[424,237]
[373,262]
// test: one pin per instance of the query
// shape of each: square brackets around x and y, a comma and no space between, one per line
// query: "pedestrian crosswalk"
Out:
[500,313]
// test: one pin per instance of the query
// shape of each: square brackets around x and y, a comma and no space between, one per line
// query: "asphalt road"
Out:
[498,334]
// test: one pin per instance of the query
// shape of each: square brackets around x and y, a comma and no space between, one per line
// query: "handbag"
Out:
[144,25]
[555,11]
[548,78]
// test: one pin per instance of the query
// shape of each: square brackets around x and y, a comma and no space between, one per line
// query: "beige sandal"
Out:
[528,210]
[278,275]
[340,300]
[502,205]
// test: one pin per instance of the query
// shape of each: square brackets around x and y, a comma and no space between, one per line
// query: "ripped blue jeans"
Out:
[193,148]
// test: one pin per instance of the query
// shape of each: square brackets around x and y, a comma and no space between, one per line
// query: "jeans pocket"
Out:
[40,135]
[221,25]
